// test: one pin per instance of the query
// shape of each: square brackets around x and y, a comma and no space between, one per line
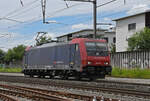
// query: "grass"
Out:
[10,70]
[131,73]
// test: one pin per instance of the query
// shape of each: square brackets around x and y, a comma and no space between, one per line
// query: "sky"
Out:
[19,23]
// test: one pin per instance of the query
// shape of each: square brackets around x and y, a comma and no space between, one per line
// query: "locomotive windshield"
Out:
[96,49]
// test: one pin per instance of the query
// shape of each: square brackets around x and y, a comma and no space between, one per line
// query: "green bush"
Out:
[131,73]
[10,70]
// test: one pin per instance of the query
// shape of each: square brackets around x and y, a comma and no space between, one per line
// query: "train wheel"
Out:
[31,76]
[64,77]
[78,77]
[26,76]
[51,76]
[92,78]
[102,76]
[41,76]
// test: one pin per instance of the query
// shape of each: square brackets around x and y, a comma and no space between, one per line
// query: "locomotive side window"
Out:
[96,49]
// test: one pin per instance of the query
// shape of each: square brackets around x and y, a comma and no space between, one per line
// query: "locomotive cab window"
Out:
[96,49]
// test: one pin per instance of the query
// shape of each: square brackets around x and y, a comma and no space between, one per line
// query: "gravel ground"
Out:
[142,81]
[75,91]
[16,97]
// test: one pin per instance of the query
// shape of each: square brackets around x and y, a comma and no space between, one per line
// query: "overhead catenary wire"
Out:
[112,14]
[13,20]
[66,4]
[85,20]
[21,3]
[6,17]
[33,19]
[58,11]
[18,9]
[109,3]
[23,12]
[106,3]
[51,14]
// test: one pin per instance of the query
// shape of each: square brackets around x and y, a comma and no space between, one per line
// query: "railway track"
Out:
[5,97]
[105,89]
[131,89]
[41,94]
[27,93]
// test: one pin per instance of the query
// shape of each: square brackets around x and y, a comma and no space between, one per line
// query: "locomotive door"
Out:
[74,56]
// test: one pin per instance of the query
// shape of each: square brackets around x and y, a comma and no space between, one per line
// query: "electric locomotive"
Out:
[80,58]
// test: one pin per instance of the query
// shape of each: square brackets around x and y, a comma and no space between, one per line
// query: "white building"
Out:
[127,26]
[109,36]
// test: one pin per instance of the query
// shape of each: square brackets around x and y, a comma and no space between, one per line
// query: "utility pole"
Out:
[43,4]
[95,17]
[94,14]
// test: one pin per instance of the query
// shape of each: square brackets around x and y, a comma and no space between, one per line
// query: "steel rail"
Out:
[7,97]
[70,95]
[102,85]
[35,95]
[104,89]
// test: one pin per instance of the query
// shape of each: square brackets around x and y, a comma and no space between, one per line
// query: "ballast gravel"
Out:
[81,92]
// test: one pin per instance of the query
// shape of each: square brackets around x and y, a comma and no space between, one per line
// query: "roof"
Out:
[76,40]
[81,31]
[131,15]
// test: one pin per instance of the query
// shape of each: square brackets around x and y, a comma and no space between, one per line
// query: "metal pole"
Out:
[95,16]
[43,3]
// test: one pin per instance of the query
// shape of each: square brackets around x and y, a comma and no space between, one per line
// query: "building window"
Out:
[105,38]
[114,40]
[132,26]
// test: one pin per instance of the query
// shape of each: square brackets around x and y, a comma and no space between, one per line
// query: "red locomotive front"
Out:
[95,58]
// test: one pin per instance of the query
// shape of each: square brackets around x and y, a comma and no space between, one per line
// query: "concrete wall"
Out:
[122,33]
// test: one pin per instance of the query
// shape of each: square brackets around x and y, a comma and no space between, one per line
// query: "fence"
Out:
[131,59]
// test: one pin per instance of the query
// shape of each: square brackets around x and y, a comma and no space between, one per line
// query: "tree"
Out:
[15,54]
[2,54]
[140,40]
[19,52]
[9,56]
[113,48]
[43,38]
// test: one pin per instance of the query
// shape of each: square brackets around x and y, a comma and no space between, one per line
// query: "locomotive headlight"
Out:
[89,62]
[106,63]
